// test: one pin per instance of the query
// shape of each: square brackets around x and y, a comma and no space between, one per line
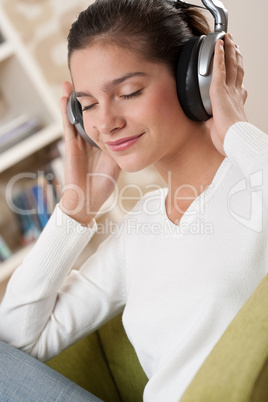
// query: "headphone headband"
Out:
[185,4]
[219,12]
[216,8]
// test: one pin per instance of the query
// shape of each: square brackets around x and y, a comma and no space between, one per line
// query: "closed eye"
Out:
[133,95]
[90,107]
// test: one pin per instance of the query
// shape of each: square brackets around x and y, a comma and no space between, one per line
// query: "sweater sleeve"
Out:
[247,148]
[47,305]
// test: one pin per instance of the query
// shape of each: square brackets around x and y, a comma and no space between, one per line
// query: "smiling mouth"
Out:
[123,143]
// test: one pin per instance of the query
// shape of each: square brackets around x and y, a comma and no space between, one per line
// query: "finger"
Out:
[240,68]
[244,94]
[219,71]
[230,60]
[67,89]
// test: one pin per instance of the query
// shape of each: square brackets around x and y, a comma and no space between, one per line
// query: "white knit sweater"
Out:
[179,286]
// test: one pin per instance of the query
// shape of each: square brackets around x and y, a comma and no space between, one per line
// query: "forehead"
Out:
[101,56]
[97,63]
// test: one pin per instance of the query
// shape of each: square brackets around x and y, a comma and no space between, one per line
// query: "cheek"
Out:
[163,108]
[170,102]
[89,127]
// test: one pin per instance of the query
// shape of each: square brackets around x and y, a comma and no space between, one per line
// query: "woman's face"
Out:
[130,105]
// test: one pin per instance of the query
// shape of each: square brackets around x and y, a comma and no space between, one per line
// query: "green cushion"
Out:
[105,364]
[237,368]
[260,389]
[85,364]
[126,370]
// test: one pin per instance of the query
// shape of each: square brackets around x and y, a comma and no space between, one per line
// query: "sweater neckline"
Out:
[203,198]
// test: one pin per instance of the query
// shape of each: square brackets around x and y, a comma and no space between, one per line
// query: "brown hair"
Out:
[156,29]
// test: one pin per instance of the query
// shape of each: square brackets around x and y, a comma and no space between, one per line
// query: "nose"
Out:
[110,120]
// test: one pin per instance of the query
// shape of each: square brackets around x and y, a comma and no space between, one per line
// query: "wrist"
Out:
[80,215]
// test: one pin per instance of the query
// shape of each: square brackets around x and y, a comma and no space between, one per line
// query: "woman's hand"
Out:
[227,92]
[90,173]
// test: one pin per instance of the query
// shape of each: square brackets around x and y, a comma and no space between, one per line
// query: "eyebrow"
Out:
[111,84]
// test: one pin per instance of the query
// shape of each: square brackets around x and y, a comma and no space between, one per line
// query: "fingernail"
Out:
[230,36]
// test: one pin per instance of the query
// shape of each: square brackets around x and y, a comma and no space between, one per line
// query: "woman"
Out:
[182,280]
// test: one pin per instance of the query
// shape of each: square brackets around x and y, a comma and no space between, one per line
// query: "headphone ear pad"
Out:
[187,80]
[78,113]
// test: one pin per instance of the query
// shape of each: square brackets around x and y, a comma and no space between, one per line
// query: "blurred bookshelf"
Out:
[30,148]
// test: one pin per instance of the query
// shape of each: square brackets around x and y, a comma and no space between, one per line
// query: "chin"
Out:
[131,164]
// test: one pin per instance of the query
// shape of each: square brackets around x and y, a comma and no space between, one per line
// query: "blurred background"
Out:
[32,68]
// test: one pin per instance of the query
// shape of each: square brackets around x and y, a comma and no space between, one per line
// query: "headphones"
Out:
[193,75]
[195,63]
[74,112]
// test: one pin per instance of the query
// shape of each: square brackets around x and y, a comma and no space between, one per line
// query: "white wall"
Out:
[249,26]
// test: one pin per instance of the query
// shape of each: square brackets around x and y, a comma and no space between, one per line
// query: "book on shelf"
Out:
[35,203]
[5,251]
[17,130]
[27,217]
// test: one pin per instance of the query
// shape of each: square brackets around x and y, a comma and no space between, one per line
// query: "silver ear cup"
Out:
[74,113]
[195,65]
[206,53]
[205,67]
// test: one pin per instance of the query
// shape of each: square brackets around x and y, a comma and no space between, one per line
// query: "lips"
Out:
[123,143]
